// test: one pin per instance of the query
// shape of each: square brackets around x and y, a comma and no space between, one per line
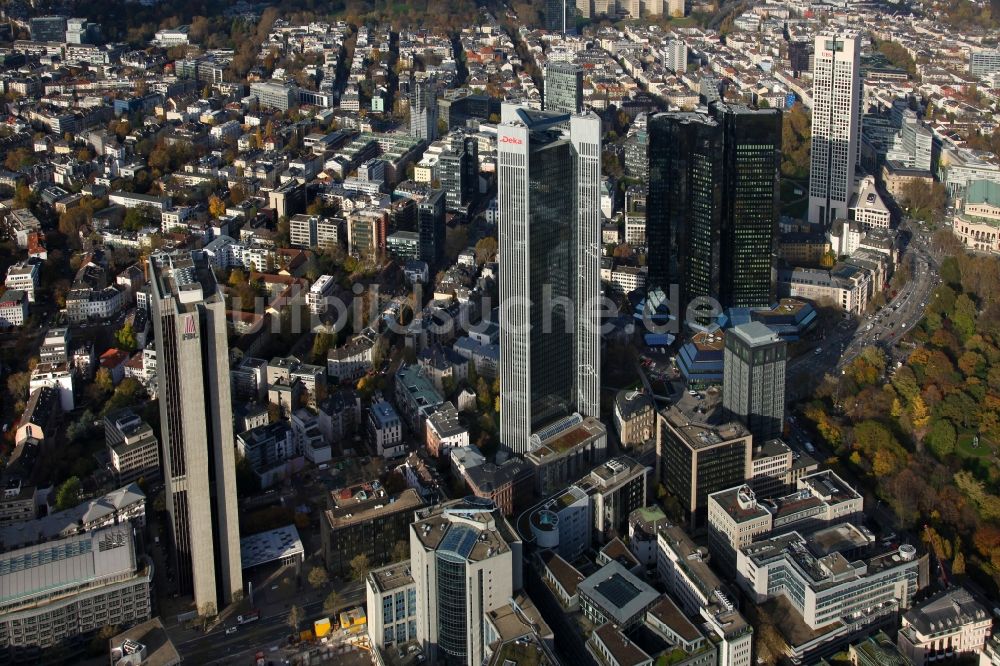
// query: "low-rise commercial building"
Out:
[445,431]
[392,605]
[365,520]
[24,276]
[682,567]
[385,430]
[562,452]
[635,417]
[13,308]
[62,592]
[833,594]
[949,625]
[133,450]
[739,516]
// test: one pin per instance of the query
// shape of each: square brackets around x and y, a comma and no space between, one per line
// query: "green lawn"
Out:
[965,447]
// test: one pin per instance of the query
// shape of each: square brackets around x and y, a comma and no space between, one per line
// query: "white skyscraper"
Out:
[836,122]
[550,246]
[676,56]
[465,560]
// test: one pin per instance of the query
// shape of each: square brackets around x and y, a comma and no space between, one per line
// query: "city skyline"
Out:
[617,332]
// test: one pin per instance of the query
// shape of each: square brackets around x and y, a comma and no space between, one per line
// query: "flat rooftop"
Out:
[392,577]
[472,529]
[709,340]
[729,500]
[270,546]
[565,436]
[615,470]
[771,448]
[699,434]
[828,486]
[358,509]
[838,538]
[754,333]
[160,650]
[618,591]
[66,565]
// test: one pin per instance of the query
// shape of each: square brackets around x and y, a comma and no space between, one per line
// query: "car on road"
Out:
[809,447]
[819,350]
[230,630]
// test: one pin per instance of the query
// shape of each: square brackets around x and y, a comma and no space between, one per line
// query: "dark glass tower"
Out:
[713,204]
[430,228]
[751,204]
[459,168]
[685,199]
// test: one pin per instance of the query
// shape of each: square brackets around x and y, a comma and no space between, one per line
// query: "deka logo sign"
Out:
[512,140]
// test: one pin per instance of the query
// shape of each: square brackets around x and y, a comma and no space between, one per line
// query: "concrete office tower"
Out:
[712,209]
[550,246]
[563,87]
[836,125]
[695,458]
[424,109]
[196,417]
[465,559]
[675,56]
[753,384]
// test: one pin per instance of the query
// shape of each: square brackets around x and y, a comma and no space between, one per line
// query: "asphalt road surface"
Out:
[850,336]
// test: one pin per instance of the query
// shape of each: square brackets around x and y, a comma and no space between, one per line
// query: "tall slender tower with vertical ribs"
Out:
[836,125]
[196,422]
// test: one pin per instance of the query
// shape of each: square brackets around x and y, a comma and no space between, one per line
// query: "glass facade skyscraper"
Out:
[751,204]
[430,227]
[549,210]
[563,87]
[712,210]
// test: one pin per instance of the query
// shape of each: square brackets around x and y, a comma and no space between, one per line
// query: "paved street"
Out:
[884,329]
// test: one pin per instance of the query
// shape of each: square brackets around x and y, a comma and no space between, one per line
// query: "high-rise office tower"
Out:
[712,210]
[751,163]
[555,15]
[430,227]
[798,56]
[549,223]
[753,379]
[465,559]
[563,87]
[196,422]
[423,109]
[695,459]
[836,125]
[675,56]
[459,169]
